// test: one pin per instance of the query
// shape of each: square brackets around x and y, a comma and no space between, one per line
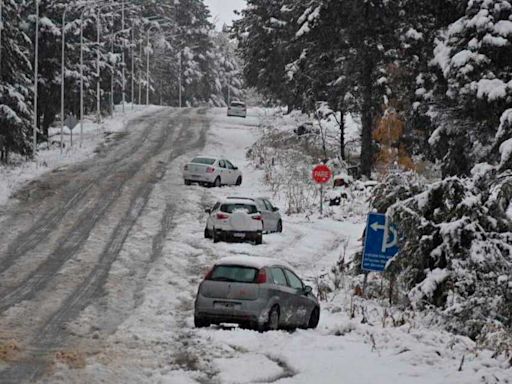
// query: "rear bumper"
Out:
[249,311]
[239,235]
[237,113]
[199,178]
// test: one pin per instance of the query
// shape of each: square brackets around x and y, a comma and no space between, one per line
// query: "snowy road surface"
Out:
[100,262]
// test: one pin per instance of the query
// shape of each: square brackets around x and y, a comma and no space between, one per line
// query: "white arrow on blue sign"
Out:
[381,243]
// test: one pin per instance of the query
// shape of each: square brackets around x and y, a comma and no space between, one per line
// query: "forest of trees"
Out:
[443,66]
[181,38]
[440,72]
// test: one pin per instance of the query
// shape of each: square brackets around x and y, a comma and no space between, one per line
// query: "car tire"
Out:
[216,236]
[279,228]
[272,323]
[188,182]
[239,181]
[217,183]
[207,234]
[259,239]
[314,318]
[199,322]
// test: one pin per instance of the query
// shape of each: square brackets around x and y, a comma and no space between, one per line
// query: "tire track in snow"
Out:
[51,335]
[38,233]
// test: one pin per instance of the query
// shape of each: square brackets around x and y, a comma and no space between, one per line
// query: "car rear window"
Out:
[235,104]
[234,273]
[203,160]
[230,208]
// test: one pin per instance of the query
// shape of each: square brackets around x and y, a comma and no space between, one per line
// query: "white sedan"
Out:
[211,171]
[234,219]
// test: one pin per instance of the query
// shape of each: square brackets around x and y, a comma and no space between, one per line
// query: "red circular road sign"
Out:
[322,174]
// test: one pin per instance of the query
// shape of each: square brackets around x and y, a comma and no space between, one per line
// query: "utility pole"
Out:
[179,78]
[123,48]
[140,70]
[62,80]
[1,28]
[133,66]
[36,78]
[98,74]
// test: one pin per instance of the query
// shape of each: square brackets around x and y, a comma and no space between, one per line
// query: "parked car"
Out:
[272,221]
[237,108]
[232,219]
[211,171]
[255,292]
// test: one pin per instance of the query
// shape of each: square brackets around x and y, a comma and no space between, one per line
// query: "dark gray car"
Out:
[271,217]
[255,292]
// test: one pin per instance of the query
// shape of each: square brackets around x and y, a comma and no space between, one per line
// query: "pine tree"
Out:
[15,84]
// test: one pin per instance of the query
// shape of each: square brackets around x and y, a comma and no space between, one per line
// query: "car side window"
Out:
[260,205]
[222,164]
[293,280]
[278,276]
[229,165]
[268,205]
[215,207]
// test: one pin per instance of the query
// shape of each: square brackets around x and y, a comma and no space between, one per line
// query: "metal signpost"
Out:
[381,243]
[322,174]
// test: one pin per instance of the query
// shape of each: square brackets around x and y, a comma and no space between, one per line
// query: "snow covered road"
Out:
[100,264]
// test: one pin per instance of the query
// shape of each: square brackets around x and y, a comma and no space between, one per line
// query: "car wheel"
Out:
[207,233]
[279,227]
[239,180]
[188,182]
[216,237]
[199,322]
[314,318]
[259,239]
[273,319]
[217,182]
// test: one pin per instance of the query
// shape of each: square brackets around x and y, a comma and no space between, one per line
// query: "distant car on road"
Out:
[232,219]
[272,221]
[237,108]
[211,171]
[255,292]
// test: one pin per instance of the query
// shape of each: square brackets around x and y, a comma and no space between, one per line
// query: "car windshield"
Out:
[234,273]
[237,104]
[203,160]
[230,208]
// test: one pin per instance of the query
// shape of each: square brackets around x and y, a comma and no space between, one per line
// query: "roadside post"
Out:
[380,245]
[71,122]
[321,175]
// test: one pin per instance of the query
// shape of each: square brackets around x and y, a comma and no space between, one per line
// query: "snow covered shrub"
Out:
[456,248]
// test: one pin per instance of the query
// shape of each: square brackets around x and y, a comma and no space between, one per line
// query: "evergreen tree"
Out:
[15,83]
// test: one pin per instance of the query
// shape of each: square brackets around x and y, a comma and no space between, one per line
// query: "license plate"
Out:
[239,235]
[225,305]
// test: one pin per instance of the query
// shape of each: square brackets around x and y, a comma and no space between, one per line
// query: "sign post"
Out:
[321,175]
[381,243]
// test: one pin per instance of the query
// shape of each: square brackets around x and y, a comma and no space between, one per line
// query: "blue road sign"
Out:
[380,243]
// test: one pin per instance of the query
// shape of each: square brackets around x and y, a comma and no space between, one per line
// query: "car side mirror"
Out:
[208,210]
[235,168]
[307,290]
[275,209]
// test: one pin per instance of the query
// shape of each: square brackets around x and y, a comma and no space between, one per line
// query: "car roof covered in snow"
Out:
[237,200]
[253,261]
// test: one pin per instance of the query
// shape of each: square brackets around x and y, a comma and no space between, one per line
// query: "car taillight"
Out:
[262,277]
[210,170]
[257,217]
[222,216]
[209,274]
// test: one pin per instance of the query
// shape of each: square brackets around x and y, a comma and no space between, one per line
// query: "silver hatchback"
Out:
[255,292]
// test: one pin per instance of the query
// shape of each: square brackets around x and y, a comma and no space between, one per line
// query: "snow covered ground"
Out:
[48,159]
[157,343]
